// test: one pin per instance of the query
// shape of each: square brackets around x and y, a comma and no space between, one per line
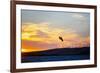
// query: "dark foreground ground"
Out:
[62,54]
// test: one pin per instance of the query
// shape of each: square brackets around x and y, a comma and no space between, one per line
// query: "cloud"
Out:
[29,46]
[41,34]
[78,16]
[38,37]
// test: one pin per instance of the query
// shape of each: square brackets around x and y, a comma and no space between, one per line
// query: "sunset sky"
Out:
[41,30]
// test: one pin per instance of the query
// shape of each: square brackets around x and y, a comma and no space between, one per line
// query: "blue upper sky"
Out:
[80,22]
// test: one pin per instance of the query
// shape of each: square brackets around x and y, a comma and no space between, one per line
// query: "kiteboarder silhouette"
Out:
[61,38]
[61,44]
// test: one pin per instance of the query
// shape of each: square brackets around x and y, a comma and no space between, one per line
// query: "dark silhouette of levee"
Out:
[60,51]
[57,54]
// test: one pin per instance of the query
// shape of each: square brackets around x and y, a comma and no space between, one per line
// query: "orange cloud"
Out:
[38,37]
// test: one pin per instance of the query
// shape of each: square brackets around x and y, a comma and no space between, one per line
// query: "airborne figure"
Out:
[61,38]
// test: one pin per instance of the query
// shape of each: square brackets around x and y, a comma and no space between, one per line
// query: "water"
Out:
[54,58]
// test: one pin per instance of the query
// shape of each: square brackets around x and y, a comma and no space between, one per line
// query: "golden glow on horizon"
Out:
[38,37]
